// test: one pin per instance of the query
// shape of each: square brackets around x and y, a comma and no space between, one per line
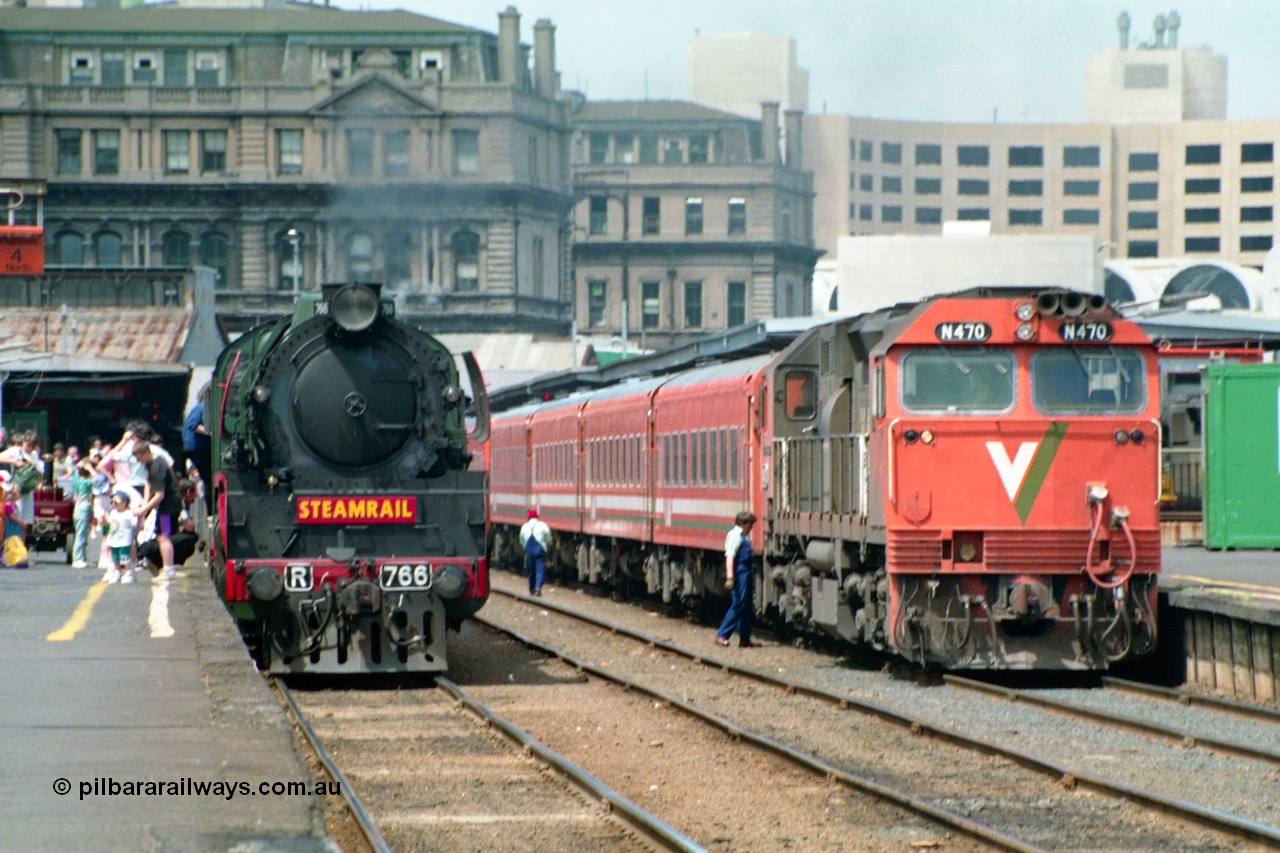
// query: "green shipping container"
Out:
[1242,456]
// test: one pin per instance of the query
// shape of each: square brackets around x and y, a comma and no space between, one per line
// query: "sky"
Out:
[924,60]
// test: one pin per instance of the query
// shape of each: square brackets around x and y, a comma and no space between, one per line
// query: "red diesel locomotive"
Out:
[971,482]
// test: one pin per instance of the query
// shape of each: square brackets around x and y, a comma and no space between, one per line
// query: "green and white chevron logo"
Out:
[1023,475]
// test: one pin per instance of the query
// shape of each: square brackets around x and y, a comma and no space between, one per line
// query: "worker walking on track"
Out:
[535,539]
[737,577]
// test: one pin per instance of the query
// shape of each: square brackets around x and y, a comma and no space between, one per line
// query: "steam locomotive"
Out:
[971,482]
[349,525]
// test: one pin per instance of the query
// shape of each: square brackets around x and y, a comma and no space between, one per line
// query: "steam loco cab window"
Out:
[957,380]
[800,395]
[1088,381]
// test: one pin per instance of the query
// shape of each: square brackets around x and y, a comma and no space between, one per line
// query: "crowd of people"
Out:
[129,494]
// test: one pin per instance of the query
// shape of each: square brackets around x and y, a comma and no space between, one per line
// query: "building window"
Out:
[597,147]
[853,149]
[1144,161]
[1201,244]
[177,151]
[289,151]
[673,152]
[106,152]
[1256,185]
[67,250]
[651,215]
[360,152]
[144,68]
[395,153]
[1143,190]
[466,152]
[215,252]
[466,261]
[974,214]
[598,215]
[890,152]
[175,69]
[928,155]
[737,303]
[1257,152]
[112,69]
[624,148]
[1026,188]
[82,69]
[1143,249]
[890,213]
[539,266]
[693,305]
[928,186]
[866,151]
[107,249]
[69,157]
[737,216]
[867,183]
[207,65]
[1260,243]
[1143,220]
[1194,215]
[699,148]
[1026,216]
[213,151]
[597,303]
[359,259]
[693,216]
[890,184]
[1255,214]
[928,215]
[399,259]
[1080,216]
[1201,155]
[865,212]
[973,155]
[175,249]
[649,148]
[650,304]
[973,186]
[1023,156]
[1087,188]
[1203,186]
[1081,156]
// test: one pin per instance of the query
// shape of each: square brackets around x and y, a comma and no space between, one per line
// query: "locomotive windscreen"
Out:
[355,404]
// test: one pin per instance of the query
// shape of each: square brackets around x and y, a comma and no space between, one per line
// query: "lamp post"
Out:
[294,236]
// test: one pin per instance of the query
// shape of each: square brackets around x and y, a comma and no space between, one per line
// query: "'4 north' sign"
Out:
[21,250]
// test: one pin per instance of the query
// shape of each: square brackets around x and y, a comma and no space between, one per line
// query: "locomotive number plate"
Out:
[963,331]
[1093,331]
[298,578]
[393,576]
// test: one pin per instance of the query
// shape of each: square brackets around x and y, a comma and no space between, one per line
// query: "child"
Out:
[122,524]
[14,552]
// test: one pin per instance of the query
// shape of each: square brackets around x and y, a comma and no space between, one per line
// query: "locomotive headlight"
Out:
[261,394]
[1025,311]
[926,436]
[1122,437]
[354,308]
[452,394]
[449,581]
[1026,331]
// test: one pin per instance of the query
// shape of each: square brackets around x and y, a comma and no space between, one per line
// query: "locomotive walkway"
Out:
[131,718]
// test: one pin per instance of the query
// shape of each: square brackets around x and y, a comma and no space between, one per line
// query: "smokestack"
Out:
[544,57]
[792,133]
[769,131]
[509,46]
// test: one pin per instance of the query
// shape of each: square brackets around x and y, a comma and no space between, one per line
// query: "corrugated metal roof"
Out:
[125,334]
[157,20]
[617,111]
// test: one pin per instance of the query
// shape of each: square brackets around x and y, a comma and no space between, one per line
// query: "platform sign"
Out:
[1241,455]
[21,250]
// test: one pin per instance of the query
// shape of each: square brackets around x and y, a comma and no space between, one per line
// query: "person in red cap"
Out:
[535,538]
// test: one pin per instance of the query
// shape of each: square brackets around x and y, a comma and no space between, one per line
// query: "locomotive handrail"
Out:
[222,404]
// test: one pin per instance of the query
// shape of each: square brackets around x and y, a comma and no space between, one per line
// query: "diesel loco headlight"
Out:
[1025,311]
[354,308]
[1026,331]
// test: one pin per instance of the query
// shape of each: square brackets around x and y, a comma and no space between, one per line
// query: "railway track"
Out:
[1220,823]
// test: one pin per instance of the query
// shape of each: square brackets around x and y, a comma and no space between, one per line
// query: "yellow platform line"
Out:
[80,617]
[1247,587]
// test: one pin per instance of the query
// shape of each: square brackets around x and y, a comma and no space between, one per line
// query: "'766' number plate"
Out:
[405,576]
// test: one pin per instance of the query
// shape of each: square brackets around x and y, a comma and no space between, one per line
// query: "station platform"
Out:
[132,719]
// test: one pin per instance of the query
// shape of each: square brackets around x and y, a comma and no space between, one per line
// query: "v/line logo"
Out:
[1024,474]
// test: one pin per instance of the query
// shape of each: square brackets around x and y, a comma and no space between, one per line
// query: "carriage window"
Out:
[733,456]
[684,459]
[702,458]
[666,460]
[951,379]
[800,394]
[724,456]
[1088,380]
[714,453]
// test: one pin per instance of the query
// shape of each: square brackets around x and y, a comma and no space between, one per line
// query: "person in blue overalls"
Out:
[535,539]
[737,577]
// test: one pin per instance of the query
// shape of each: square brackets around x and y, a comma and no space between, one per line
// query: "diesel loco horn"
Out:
[1073,304]
[1097,302]
[1047,304]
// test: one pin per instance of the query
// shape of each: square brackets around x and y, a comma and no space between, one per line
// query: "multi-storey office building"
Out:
[687,220]
[290,146]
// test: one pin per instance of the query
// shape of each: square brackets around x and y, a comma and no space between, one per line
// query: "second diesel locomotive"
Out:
[349,524]
[971,482]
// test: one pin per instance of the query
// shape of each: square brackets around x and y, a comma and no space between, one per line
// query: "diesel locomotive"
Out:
[349,523]
[970,482]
